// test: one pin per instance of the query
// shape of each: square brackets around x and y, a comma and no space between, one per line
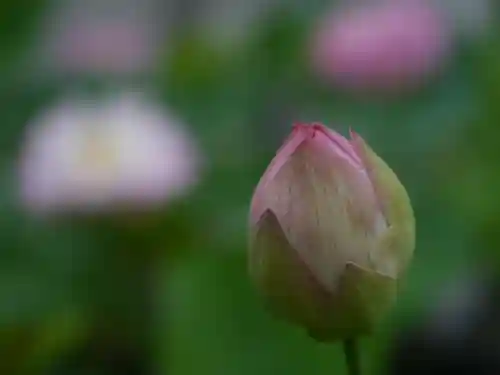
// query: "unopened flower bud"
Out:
[331,232]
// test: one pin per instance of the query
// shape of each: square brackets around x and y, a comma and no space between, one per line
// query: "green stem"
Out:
[352,358]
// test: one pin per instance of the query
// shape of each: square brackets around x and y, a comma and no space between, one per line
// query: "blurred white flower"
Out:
[107,37]
[88,156]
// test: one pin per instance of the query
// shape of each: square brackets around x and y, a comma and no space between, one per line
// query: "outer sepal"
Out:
[396,246]
[361,301]
[289,288]
[291,291]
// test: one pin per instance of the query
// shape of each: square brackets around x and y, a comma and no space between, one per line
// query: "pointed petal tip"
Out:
[257,216]
[310,128]
[319,126]
[268,213]
[300,126]
[357,142]
[354,135]
[307,130]
[329,132]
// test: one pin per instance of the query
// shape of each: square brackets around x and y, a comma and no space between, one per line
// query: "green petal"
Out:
[363,298]
[396,247]
[292,292]
[287,285]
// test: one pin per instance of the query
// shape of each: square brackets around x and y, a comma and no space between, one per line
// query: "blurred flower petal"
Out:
[86,155]
[380,46]
[108,37]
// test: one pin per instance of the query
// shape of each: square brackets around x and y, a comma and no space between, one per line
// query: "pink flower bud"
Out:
[331,231]
[385,45]
[103,156]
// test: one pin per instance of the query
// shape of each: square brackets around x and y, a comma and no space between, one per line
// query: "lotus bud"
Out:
[331,233]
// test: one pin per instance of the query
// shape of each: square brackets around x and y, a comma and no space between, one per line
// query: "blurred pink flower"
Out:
[383,45]
[88,156]
[105,47]
[83,37]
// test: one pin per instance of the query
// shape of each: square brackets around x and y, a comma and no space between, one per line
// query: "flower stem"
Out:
[352,359]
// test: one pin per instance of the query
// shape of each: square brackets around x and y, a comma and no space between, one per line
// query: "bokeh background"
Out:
[133,132]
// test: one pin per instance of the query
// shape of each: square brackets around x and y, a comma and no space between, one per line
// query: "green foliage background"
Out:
[60,279]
